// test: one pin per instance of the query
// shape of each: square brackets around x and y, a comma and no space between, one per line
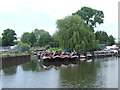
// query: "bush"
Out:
[23,44]
[53,49]
[59,50]
[31,50]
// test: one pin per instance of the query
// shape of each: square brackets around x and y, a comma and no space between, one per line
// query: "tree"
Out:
[29,38]
[73,34]
[90,16]
[45,39]
[37,38]
[8,37]
[39,33]
[26,37]
[103,38]
[32,39]
[111,40]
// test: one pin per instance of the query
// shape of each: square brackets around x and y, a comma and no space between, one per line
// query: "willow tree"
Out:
[73,34]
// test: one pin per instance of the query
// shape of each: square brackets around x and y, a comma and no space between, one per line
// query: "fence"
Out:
[13,49]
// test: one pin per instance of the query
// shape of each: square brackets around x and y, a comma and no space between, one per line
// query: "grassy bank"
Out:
[3,55]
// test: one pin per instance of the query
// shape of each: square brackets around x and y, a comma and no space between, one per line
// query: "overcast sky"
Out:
[27,15]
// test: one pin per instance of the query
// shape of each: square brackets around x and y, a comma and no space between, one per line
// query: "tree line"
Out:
[39,38]
[74,32]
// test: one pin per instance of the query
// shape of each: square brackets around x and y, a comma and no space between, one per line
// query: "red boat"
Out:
[46,57]
[73,56]
[56,56]
[64,56]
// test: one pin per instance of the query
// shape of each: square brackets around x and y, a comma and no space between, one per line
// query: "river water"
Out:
[99,73]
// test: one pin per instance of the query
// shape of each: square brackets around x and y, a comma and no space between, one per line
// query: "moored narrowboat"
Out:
[46,57]
[64,56]
[56,56]
[74,56]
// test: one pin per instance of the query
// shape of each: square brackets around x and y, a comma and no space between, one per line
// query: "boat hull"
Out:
[46,58]
[65,58]
[73,58]
[56,58]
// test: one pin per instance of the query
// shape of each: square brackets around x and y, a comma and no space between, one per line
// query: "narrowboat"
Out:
[64,56]
[46,57]
[56,56]
[73,56]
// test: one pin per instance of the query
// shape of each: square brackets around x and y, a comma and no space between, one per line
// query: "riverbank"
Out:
[14,60]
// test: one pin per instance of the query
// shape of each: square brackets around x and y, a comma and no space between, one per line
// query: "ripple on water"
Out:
[98,74]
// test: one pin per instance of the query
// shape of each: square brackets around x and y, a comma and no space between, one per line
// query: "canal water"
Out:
[98,73]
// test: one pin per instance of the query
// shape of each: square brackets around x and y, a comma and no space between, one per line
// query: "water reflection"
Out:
[80,75]
[10,70]
[99,73]
[41,66]
[11,61]
[33,66]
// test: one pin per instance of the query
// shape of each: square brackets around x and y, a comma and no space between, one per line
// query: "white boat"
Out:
[82,57]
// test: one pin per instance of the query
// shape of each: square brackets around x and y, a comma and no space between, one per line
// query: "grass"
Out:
[3,55]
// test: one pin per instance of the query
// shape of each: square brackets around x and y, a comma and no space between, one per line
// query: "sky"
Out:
[28,15]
